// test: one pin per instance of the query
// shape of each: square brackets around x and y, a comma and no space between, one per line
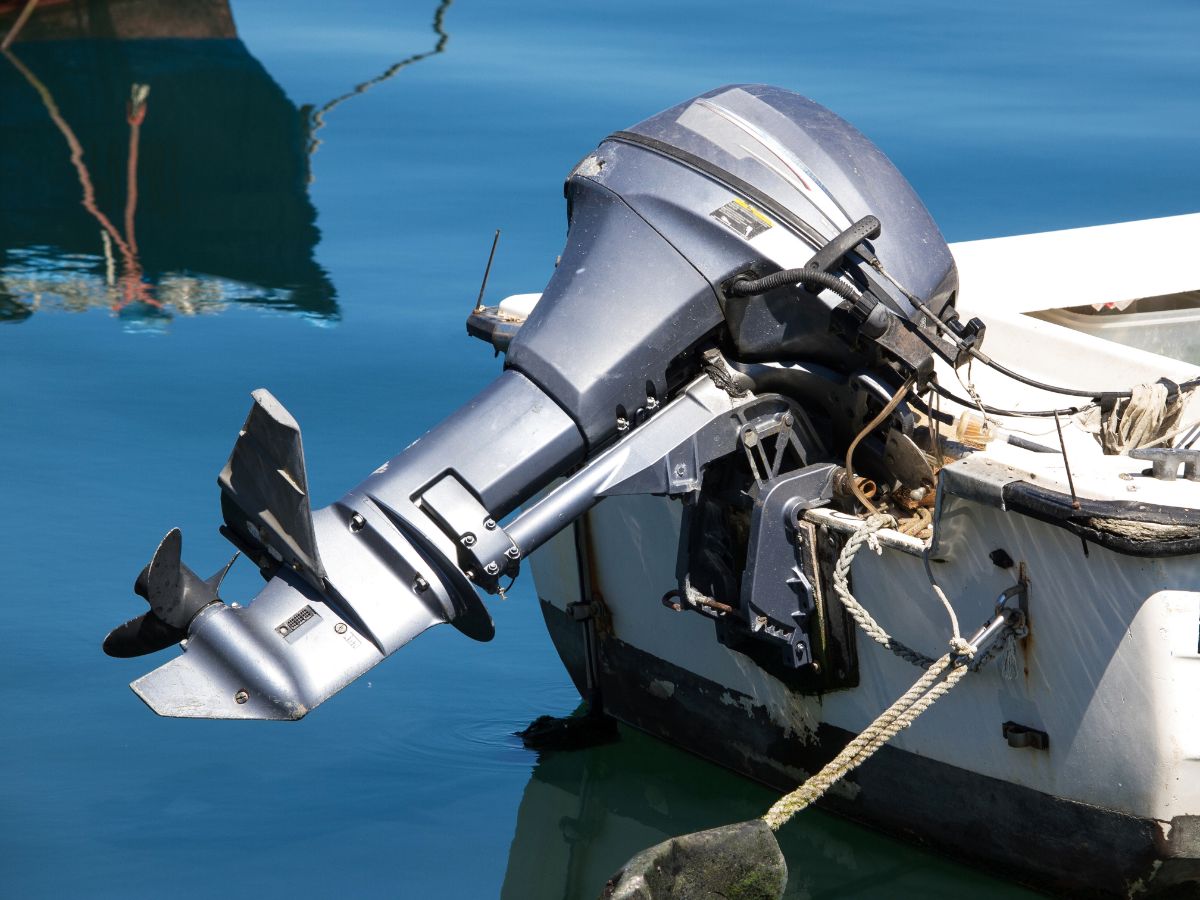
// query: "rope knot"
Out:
[962,647]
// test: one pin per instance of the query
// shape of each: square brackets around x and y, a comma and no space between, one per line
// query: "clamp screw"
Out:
[356,523]
[468,540]
[492,569]
[241,697]
[489,524]
[420,585]
[340,627]
[513,552]
[622,423]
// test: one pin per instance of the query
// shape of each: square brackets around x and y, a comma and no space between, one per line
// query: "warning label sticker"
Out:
[742,218]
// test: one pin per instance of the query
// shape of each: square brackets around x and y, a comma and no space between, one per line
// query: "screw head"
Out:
[492,569]
[468,540]
[651,403]
[489,524]
[241,696]
[357,522]
[340,627]
[680,470]
[513,552]
[420,585]
[283,630]
[622,423]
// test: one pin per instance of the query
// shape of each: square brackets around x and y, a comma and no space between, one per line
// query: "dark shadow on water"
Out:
[585,812]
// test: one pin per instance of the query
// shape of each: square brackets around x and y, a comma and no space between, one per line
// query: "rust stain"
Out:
[602,615]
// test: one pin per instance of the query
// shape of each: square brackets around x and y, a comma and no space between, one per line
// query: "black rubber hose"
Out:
[745,287]
[995,411]
[1099,396]
[1172,392]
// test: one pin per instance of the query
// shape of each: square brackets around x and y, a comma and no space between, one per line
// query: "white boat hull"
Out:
[1109,674]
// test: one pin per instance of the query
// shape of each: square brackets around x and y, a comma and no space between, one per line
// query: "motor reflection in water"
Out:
[152,167]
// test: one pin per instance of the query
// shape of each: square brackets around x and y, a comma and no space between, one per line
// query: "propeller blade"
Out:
[139,636]
[175,594]
[214,581]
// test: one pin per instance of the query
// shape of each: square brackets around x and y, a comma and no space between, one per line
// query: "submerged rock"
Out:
[575,732]
[733,862]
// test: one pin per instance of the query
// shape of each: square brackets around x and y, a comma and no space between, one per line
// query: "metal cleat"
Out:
[1166,462]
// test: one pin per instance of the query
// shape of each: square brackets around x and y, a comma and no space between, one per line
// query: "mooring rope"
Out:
[923,694]
[941,675]
[871,628]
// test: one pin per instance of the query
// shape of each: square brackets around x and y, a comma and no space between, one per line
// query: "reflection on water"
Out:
[152,167]
[315,116]
[585,812]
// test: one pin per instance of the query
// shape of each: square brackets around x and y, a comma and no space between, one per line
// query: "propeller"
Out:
[175,594]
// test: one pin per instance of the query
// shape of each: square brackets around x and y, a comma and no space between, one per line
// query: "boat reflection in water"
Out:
[585,812]
[150,166]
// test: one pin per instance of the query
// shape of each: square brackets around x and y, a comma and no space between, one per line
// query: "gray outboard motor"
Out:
[749,224]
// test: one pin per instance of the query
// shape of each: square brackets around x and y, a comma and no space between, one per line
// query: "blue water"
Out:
[346,297]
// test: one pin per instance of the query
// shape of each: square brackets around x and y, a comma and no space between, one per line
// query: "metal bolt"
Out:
[1125,476]
[622,423]
[489,524]
[513,552]
[283,630]
[785,419]
[241,697]
[651,403]
[468,540]
[357,522]
[420,585]
[492,569]
[340,627]
[750,439]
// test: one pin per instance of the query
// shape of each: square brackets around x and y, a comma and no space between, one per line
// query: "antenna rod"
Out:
[487,271]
